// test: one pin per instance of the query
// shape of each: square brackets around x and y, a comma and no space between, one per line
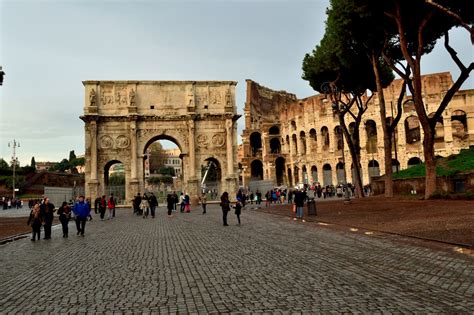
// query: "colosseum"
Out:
[292,141]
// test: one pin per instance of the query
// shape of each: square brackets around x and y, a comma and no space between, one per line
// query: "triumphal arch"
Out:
[122,118]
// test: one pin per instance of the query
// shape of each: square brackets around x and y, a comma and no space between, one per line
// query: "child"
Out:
[35,221]
[238,209]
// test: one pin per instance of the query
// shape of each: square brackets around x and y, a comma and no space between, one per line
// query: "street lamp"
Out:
[14,145]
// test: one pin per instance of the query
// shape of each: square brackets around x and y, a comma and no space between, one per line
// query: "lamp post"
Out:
[14,145]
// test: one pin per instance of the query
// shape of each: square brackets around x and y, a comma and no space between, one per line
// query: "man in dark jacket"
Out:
[299,198]
[47,213]
[81,211]
[153,204]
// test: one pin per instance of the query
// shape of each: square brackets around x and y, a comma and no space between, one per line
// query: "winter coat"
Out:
[81,209]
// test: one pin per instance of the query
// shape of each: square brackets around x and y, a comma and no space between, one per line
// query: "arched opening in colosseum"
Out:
[280,170]
[313,140]
[256,170]
[295,144]
[371,132]
[325,137]
[459,125]
[412,130]
[340,172]
[395,166]
[303,142]
[374,170]
[338,138]
[293,125]
[439,129]
[275,146]
[414,161]
[115,180]
[255,143]
[327,175]
[305,175]
[408,106]
[314,173]
[296,172]
[290,177]
[274,130]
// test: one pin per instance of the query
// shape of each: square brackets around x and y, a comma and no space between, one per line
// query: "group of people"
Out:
[145,205]
[103,203]
[42,215]
[10,203]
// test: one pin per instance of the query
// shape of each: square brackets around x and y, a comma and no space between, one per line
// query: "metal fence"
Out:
[57,195]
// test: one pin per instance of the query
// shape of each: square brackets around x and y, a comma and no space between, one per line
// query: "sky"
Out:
[47,48]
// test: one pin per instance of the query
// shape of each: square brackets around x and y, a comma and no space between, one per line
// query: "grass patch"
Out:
[449,166]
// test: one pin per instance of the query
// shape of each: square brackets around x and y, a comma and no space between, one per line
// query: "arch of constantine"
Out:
[294,141]
[123,118]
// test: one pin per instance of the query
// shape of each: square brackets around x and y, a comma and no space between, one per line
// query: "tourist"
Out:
[88,201]
[81,211]
[203,200]
[153,204]
[64,213]
[145,206]
[47,213]
[238,210]
[35,220]
[112,198]
[175,200]
[136,204]
[102,207]
[181,202]
[96,204]
[299,200]
[111,206]
[170,203]
[259,197]
[187,203]
[225,205]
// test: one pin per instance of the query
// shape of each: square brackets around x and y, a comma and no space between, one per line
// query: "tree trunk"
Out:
[430,163]
[352,144]
[387,134]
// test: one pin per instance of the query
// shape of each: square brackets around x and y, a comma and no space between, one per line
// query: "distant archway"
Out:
[325,137]
[115,180]
[274,130]
[314,173]
[275,146]
[371,131]
[374,170]
[412,130]
[340,172]
[280,170]
[414,161]
[255,142]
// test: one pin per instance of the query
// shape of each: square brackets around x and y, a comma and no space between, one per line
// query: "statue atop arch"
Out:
[119,131]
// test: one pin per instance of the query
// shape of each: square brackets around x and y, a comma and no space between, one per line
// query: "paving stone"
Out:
[192,264]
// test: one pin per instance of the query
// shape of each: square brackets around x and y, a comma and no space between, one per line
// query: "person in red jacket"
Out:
[111,206]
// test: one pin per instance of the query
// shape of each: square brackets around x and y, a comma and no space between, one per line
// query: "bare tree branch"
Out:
[453,53]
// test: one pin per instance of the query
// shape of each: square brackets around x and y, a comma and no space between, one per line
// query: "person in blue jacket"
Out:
[81,211]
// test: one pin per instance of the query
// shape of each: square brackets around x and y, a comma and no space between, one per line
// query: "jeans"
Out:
[204,208]
[80,225]
[152,210]
[224,216]
[47,230]
[299,212]
[65,224]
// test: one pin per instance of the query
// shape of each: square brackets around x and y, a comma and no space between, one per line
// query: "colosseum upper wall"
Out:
[292,141]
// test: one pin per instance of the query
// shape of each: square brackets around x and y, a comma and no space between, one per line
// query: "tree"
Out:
[355,24]
[418,26]
[344,72]
[4,165]
[33,163]
[72,156]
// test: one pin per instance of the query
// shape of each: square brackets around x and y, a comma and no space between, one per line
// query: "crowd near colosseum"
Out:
[293,141]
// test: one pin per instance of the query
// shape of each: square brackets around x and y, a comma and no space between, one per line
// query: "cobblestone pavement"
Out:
[192,264]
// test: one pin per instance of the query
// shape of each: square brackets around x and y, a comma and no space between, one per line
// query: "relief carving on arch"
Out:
[106,142]
[122,142]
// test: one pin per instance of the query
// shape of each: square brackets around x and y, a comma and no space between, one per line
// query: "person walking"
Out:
[203,200]
[96,204]
[144,206]
[153,204]
[170,204]
[35,220]
[64,213]
[47,213]
[225,205]
[181,202]
[187,203]
[81,211]
[102,207]
[111,206]
[238,210]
